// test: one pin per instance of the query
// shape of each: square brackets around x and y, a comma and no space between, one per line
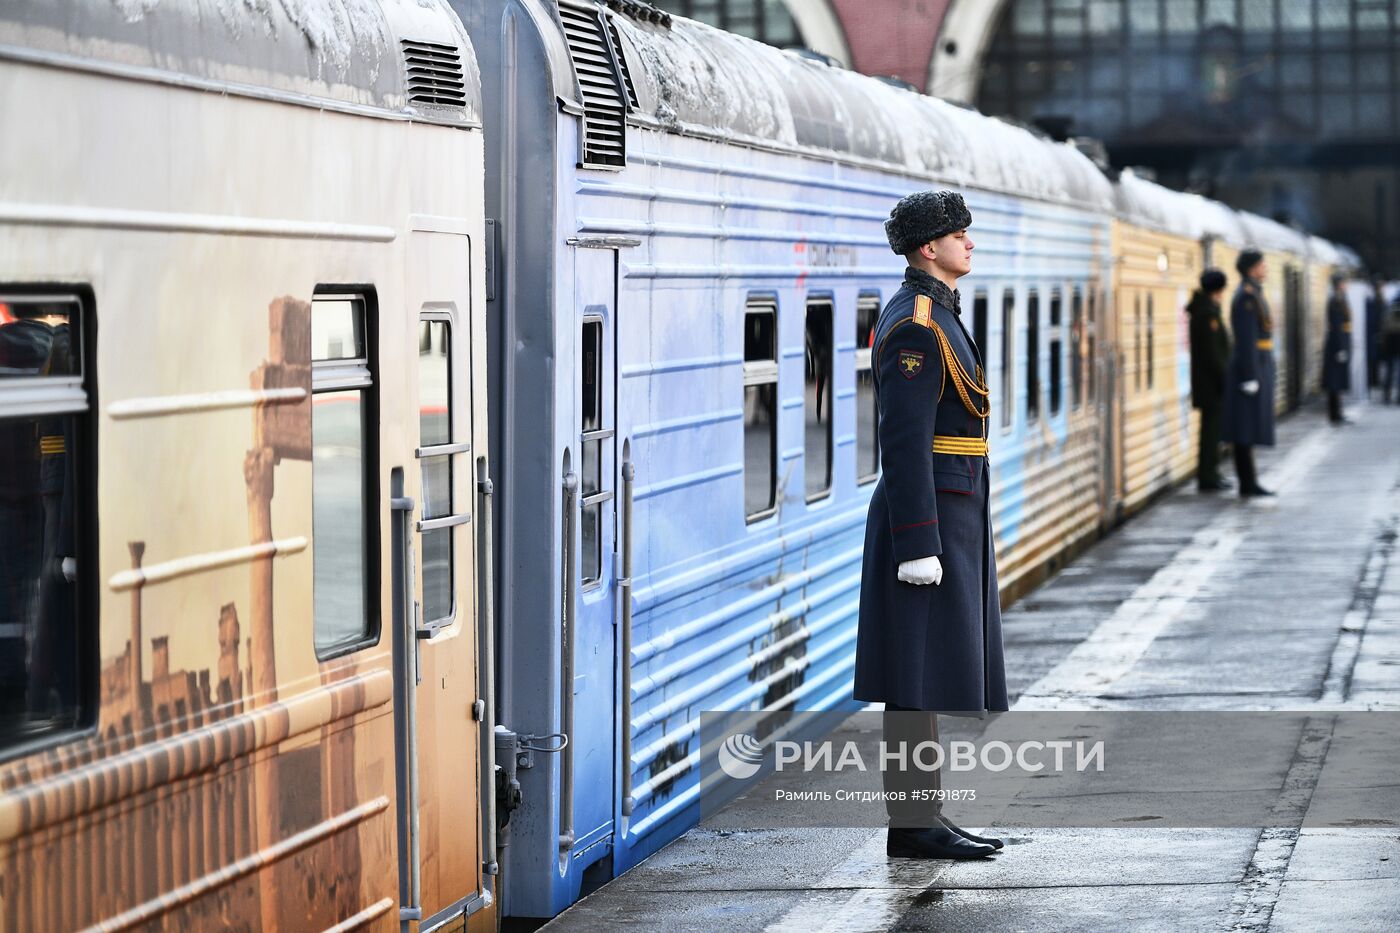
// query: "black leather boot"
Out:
[982,840]
[937,842]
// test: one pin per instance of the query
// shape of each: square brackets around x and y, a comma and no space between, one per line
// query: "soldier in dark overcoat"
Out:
[1249,390]
[929,634]
[1210,356]
[1336,350]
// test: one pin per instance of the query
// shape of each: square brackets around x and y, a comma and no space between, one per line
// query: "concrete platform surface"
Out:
[1203,602]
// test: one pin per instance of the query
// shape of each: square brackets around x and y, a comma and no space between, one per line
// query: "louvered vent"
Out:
[622,66]
[434,74]
[604,106]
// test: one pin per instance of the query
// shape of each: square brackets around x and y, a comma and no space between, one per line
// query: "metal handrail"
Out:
[486,639]
[624,591]
[566,677]
[405,637]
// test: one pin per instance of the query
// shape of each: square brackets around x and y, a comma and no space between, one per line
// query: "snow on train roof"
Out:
[695,78]
[343,52]
[1149,204]
[1269,234]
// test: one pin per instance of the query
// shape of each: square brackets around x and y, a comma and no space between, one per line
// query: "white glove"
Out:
[923,570]
[1341,356]
[1250,388]
[70,569]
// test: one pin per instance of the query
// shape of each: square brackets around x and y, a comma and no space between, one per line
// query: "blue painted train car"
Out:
[691,258]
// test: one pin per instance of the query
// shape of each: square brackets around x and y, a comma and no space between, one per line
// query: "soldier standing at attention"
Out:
[1249,400]
[1336,351]
[929,635]
[1210,354]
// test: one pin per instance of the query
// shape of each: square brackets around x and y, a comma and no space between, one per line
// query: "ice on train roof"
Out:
[344,52]
[695,78]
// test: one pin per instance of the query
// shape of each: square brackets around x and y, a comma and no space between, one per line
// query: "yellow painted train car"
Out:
[243,416]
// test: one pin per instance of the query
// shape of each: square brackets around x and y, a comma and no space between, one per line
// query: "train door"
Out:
[589,779]
[434,564]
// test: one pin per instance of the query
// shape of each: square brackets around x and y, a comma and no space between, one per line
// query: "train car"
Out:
[691,260]
[1157,245]
[241,387]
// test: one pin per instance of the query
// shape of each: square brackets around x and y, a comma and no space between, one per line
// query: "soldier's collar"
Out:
[925,284]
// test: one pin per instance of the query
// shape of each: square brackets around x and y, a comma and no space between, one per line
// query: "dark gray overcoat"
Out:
[932,647]
[1336,373]
[1249,419]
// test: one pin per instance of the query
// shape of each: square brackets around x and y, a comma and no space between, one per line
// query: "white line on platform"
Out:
[1120,641]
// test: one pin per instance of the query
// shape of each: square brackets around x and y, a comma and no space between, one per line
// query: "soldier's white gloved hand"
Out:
[1341,356]
[1250,388]
[70,569]
[923,570]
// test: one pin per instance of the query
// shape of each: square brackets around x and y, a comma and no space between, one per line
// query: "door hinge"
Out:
[478,709]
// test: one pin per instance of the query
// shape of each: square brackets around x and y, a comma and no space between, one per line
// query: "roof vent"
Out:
[602,83]
[434,74]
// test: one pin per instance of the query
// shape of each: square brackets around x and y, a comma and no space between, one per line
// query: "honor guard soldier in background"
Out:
[1249,398]
[1210,355]
[1336,351]
[929,634]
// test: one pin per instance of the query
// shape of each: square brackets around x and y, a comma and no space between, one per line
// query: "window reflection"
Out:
[40,515]
[341,510]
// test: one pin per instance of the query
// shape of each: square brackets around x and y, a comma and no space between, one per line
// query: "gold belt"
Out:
[962,446]
[1264,344]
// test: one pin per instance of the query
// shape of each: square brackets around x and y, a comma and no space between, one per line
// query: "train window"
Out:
[1008,369]
[867,439]
[1151,330]
[341,473]
[1076,343]
[594,483]
[435,433]
[1032,355]
[817,398]
[47,635]
[1056,349]
[1093,343]
[760,407]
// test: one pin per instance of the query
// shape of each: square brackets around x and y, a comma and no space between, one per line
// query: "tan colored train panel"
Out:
[233,779]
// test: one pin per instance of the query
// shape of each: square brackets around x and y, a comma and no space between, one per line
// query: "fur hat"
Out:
[924,216]
[1248,260]
[1212,280]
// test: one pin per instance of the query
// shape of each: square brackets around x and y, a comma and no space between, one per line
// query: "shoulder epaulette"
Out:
[923,310]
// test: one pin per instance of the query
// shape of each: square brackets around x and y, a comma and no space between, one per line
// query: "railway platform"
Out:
[1202,602]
